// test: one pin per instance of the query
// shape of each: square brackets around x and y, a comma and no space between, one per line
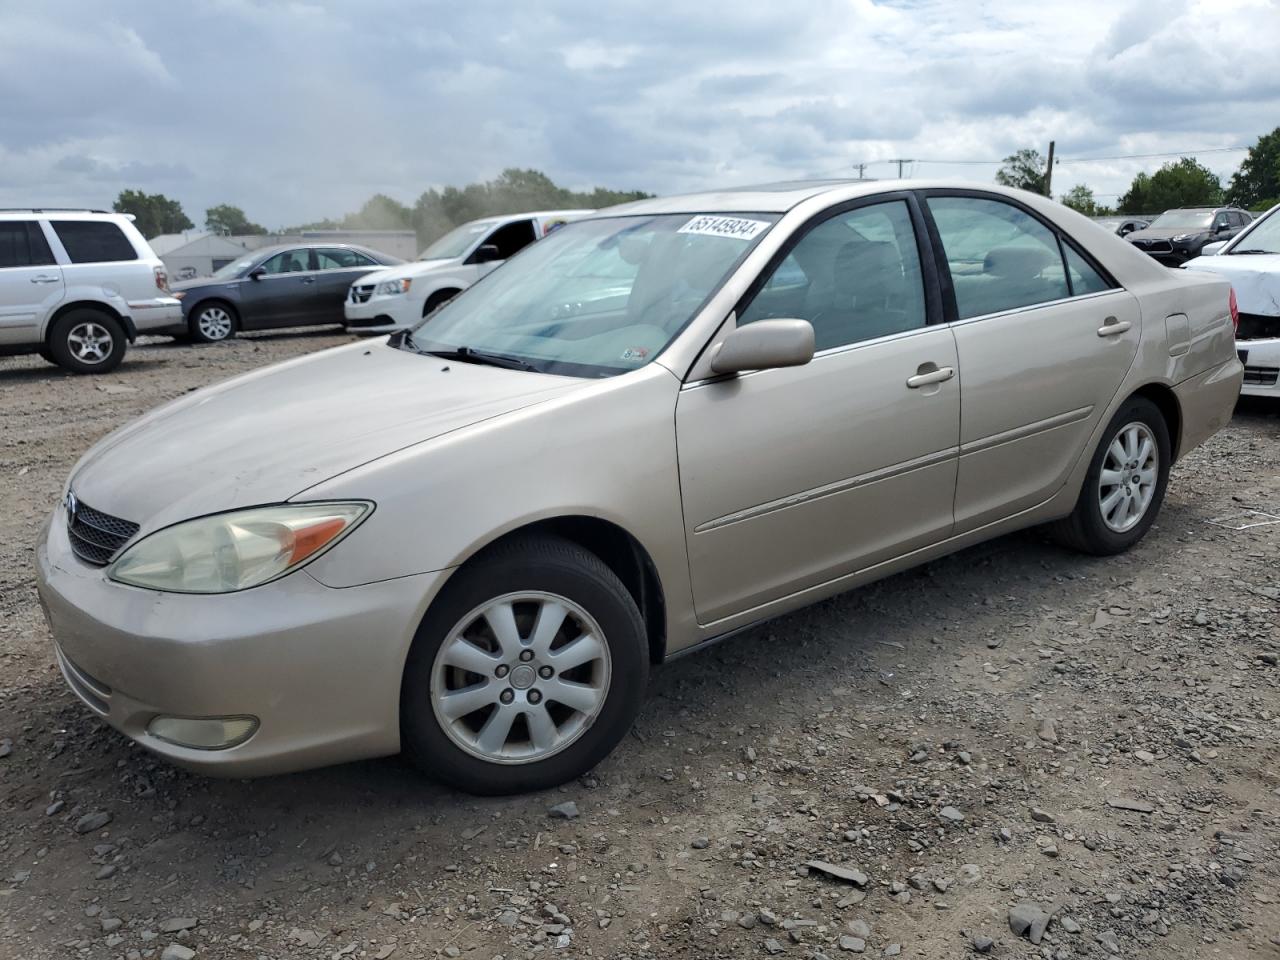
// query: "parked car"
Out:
[1251,262]
[77,286]
[398,298]
[293,285]
[1122,226]
[475,538]
[1177,236]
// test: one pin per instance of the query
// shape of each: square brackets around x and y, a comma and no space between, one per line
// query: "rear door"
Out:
[1044,338]
[31,282]
[336,269]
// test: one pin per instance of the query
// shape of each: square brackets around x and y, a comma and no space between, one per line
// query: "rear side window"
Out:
[94,241]
[340,259]
[22,244]
[1084,279]
[1000,257]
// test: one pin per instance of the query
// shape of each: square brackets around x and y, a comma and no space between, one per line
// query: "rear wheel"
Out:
[526,672]
[212,322]
[86,341]
[1125,485]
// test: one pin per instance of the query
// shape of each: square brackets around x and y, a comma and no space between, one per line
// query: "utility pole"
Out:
[1048,174]
[860,167]
[900,163]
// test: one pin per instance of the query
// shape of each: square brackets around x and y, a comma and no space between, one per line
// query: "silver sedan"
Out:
[659,425]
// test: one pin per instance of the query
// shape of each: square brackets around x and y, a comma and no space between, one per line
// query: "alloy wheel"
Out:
[215,323]
[90,342]
[520,678]
[1127,482]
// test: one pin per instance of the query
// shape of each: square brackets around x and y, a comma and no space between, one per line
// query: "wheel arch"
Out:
[98,305]
[1167,402]
[221,301]
[448,292]
[621,552]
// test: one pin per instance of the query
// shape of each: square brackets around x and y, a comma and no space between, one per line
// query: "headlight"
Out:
[1183,236]
[392,287]
[235,551]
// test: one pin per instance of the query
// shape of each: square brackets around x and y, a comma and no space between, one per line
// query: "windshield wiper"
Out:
[472,355]
[1236,253]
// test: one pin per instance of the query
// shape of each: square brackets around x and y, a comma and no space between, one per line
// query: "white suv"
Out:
[400,296]
[77,286]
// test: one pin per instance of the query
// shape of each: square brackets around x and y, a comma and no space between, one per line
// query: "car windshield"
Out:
[1263,238]
[232,269]
[457,241]
[1198,219]
[596,297]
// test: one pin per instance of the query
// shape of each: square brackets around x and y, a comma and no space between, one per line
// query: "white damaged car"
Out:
[398,297]
[1251,261]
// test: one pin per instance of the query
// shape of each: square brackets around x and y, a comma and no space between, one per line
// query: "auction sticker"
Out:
[735,228]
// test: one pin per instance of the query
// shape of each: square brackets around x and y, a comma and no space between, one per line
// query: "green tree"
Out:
[231,221]
[1256,185]
[1080,198]
[1024,170]
[1179,183]
[153,213]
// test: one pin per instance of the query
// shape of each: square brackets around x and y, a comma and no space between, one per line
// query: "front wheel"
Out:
[1125,485]
[526,671]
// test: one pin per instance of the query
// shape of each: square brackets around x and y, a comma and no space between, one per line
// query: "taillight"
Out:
[162,281]
[1235,310]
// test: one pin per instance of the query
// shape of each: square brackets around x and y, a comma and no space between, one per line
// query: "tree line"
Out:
[1179,183]
[432,215]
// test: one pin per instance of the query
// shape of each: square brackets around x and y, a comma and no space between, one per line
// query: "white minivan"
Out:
[398,297]
[77,286]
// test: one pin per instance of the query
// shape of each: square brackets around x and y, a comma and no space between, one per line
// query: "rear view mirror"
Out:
[764,345]
[486,253]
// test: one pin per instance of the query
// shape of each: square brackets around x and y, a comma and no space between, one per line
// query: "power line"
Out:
[1127,156]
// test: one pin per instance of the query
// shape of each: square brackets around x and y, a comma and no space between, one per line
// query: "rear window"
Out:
[94,241]
[22,244]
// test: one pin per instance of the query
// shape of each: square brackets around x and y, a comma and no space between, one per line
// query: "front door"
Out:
[285,295]
[31,282]
[1044,340]
[795,476]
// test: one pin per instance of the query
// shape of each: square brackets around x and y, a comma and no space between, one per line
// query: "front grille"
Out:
[1261,376]
[96,537]
[361,294]
[1154,246]
[381,320]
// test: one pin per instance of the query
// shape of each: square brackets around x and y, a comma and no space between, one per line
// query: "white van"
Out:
[398,297]
[77,286]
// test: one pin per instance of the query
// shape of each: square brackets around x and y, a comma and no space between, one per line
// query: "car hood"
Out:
[1164,233]
[269,435]
[181,285]
[411,269]
[1255,277]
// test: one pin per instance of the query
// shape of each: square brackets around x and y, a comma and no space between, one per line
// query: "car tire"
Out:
[86,341]
[497,740]
[213,322]
[438,300]
[1124,487]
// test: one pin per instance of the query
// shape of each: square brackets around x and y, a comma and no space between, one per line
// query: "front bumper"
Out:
[1261,359]
[381,314]
[318,667]
[156,314]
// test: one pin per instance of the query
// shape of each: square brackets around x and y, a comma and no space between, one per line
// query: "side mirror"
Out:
[257,273]
[764,345]
[1221,227]
[486,253]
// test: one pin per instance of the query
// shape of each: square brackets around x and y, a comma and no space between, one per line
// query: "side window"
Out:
[855,277]
[512,238]
[1000,258]
[1084,279]
[340,259]
[94,241]
[288,261]
[22,244]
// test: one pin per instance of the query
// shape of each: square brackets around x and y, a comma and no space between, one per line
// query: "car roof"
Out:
[310,245]
[530,215]
[62,213]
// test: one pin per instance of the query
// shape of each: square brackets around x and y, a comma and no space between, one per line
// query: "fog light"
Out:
[203,733]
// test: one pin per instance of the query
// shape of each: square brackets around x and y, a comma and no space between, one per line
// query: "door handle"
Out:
[43,278]
[1111,327]
[308,279]
[927,377]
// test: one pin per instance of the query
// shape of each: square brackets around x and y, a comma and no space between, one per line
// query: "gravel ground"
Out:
[1016,750]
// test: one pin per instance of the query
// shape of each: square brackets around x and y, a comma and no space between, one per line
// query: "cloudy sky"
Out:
[299,110]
